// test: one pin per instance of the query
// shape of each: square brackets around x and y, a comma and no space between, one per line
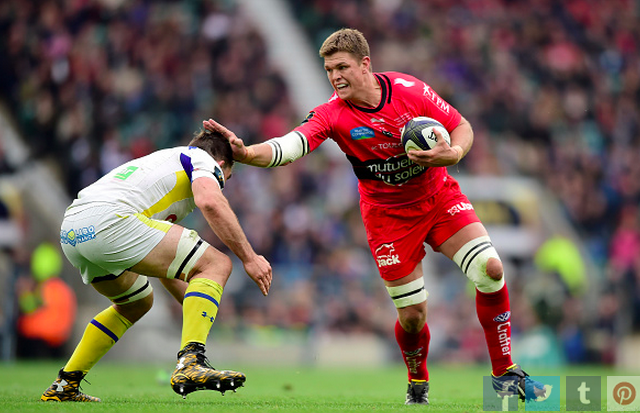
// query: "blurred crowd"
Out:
[551,88]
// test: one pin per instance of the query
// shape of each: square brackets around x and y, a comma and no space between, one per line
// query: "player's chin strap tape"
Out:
[287,148]
[138,290]
[190,249]
[472,259]
[408,294]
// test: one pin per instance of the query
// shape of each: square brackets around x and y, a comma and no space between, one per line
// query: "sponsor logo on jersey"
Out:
[308,118]
[386,145]
[403,82]
[431,94]
[77,236]
[362,132]
[395,170]
[502,317]
[126,172]
[375,120]
[461,206]
[385,255]
[219,175]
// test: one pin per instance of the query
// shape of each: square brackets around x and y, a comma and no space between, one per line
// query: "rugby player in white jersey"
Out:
[123,228]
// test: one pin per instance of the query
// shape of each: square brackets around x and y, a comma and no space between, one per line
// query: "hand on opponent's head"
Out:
[240,151]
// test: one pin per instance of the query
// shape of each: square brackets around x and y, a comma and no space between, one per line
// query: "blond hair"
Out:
[345,40]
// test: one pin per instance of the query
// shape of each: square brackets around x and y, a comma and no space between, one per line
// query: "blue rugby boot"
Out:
[517,382]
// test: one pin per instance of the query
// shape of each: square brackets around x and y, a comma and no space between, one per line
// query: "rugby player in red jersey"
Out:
[405,199]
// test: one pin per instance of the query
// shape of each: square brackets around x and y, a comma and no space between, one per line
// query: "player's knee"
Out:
[479,261]
[223,265]
[413,318]
[494,269]
[144,305]
[138,293]
[214,265]
[135,310]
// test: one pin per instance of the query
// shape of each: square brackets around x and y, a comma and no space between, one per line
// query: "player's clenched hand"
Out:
[259,270]
[240,152]
[440,155]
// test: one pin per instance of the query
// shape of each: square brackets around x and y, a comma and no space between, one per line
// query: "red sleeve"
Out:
[317,126]
[437,108]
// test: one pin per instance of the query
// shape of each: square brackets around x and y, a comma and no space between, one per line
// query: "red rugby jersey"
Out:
[370,137]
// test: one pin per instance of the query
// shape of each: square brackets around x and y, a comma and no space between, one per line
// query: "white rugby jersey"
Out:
[157,185]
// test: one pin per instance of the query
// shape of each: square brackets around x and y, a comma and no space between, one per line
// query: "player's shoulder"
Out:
[402,82]
[327,110]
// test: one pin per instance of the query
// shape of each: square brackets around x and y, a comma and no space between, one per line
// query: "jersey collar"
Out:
[385,85]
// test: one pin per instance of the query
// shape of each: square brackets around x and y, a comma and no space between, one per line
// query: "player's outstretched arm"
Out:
[257,155]
[223,221]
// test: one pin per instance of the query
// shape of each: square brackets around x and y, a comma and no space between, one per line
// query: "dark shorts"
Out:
[397,235]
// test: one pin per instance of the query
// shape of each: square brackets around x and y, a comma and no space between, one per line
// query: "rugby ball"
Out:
[418,134]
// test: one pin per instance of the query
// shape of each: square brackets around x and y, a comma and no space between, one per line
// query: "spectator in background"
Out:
[47,307]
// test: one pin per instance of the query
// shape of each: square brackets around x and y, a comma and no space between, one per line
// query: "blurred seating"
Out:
[552,92]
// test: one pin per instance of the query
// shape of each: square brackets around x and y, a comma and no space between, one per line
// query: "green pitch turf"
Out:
[144,388]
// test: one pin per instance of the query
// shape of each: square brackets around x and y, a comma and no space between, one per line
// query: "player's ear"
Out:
[366,64]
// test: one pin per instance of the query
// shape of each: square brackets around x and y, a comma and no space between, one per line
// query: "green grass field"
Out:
[144,388]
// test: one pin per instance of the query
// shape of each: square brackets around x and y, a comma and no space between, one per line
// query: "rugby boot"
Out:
[193,372]
[66,388]
[417,392]
[517,381]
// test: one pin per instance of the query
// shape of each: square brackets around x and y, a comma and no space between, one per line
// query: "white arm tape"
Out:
[285,149]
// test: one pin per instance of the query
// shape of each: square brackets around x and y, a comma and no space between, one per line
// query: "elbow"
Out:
[211,205]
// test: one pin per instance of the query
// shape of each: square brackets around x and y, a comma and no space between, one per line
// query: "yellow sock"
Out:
[100,335]
[199,310]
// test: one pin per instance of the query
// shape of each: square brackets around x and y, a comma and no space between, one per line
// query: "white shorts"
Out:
[103,241]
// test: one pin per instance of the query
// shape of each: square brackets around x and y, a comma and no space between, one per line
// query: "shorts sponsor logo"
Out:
[77,236]
[385,255]
[622,393]
[362,132]
[460,206]
[503,317]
